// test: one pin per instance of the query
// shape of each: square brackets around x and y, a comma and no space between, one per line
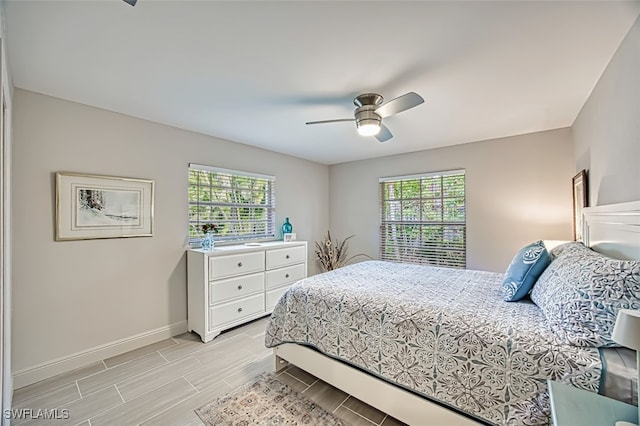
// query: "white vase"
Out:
[207,242]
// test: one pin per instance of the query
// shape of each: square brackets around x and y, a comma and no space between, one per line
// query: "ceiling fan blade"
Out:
[399,104]
[330,121]
[384,134]
[131,2]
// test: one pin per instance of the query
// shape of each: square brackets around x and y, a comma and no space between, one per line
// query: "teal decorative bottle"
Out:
[287,227]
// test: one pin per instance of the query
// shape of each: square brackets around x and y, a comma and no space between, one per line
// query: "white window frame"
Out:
[438,251]
[215,208]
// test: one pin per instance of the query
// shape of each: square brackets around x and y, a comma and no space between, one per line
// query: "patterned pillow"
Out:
[582,291]
[525,268]
[571,246]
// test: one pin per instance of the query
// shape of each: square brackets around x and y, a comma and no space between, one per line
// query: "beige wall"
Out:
[606,133]
[6,379]
[75,295]
[518,191]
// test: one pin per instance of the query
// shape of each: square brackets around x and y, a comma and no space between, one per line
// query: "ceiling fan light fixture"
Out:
[368,127]
[370,111]
[367,121]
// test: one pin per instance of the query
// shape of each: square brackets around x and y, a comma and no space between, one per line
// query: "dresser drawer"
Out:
[232,288]
[227,287]
[274,295]
[281,276]
[233,311]
[286,256]
[237,264]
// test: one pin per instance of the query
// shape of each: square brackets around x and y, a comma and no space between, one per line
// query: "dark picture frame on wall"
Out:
[580,201]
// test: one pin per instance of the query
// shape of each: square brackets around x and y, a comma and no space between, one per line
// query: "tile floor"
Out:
[161,384]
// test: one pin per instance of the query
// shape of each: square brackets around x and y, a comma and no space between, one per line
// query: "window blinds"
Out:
[241,204]
[423,219]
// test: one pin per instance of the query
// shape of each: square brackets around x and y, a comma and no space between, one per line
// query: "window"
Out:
[423,219]
[241,204]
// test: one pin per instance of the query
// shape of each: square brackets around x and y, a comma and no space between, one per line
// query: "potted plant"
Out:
[209,230]
[333,254]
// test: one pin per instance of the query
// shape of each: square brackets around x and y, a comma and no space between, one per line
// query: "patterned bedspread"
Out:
[443,333]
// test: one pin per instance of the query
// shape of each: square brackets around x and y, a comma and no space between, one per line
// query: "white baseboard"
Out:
[62,365]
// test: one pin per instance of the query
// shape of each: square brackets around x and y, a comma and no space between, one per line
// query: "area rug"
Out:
[265,401]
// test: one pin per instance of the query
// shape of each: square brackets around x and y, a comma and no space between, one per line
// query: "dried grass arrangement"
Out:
[333,254]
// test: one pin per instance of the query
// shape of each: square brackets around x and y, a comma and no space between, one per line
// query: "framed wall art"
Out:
[93,206]
[580,201]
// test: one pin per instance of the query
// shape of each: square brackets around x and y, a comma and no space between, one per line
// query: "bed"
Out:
[433,345]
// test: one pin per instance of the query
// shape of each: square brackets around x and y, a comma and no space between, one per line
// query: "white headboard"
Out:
[613,229]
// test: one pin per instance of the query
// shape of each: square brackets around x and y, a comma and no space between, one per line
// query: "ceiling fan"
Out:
[131,2]
[370,111]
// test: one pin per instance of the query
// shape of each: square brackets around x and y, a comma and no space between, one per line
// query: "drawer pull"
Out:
[239,264]
[239,310]
[240,287]
[286,276]
[287,257]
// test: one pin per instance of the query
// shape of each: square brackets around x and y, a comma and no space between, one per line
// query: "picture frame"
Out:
[94,206]
[287,237]
[580,201]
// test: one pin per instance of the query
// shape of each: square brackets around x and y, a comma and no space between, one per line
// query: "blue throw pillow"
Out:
[524,270]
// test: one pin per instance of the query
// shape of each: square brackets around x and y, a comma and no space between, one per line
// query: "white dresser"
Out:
[231,285]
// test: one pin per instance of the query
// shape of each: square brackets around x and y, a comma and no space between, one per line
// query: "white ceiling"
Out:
[255,72]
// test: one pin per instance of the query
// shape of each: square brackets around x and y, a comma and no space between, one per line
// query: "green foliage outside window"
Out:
[423,220]
[241,206]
